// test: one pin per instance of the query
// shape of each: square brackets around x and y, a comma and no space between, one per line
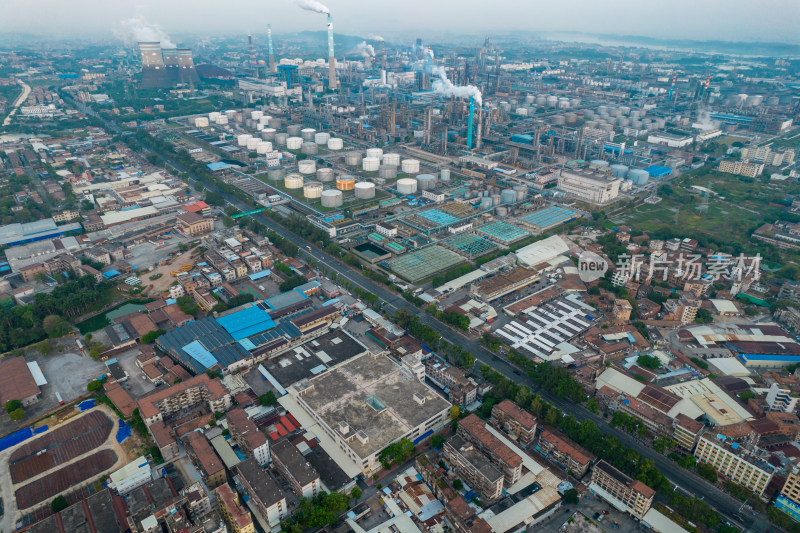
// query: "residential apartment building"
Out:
[303,477]
[515,421]
[655,421]
[741,168]
[236,516]
[625,493]
[781,400]
[735,463]
[201,389]
[461,389]
[686,432]
[474,468]
[473,429]
[589,187]
[206,460]
[788,500]
[683,309]
[564,453]
[265,495]
[621,312]
[67,215]
[246,434]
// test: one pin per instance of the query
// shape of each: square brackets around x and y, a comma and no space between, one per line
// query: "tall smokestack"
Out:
[251,51]
[479,139]
[469,124]
[383,55]
[271,53]
[331,58]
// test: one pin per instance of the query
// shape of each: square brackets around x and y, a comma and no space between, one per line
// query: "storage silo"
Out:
[352,158]
[331,198]
[521,192]
[365,189]
[281,138]
[374,152]
[268,134]
[308,134]
[345,182]
[406,185]
[370,164]
[324,174]
[638,176]
[410,166]
[294,143]
[508,196]
[309,148]
[426,182]
[391,159]
[322,138]
[312,190]
[619,171]
[335,143]
[387,172]
[276,174]
[293,129]
[307,166]
[293,181]
[444,175]
[275,123]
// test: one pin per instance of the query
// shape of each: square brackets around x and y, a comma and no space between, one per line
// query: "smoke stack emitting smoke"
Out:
[313,5]
[138,30]
[365,49]
[448,88]
[374,37]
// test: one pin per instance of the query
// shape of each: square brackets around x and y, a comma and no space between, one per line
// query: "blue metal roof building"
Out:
[657,171]
[247,322]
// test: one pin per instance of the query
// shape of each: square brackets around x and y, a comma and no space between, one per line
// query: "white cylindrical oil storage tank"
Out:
[263,147]
[521,191]
[252,143]
[598,163]
[406,185]
[309,148]
[214,116]
[591,124]
[505,106]
[602,109]
[276,174]
[275,123]
[370,164]
[231,113]
[651,127]
[616,112]
[588,114]
[647,121]
[521,111]
[374,152]
[325,174]
[322,138]
[242,139]
[294,129]
[260,127]
[496,199]
[387,172]
[312,189]
[293,181]
[540,100]
[606,127]
[636,114]
[563,103]
[308,134]
[307,166]
[623,122]
[552,101]
[660,123]
[410,166]
[444,175]
[571,118]
[501,211]
[335,143]
[222,120]
[268,134]
[426,182]
[264,120]
[345,182]
[619,171]
[508,196]
[638,176]
[486,202]
[574,102]
[625,110]
[281,138]
[529,98]
[352,158]
[255,115]
[331,198]
[294,143]
[391,159]
[558,120]
[365,189]
[200,122]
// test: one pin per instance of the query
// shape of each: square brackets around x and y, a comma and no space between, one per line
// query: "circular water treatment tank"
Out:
[335,143]
[370,164]
[345,182]
[308,134]
[410,166]
[294,129]
[639,176]
[307,166]
[312,189]
[387,172]
[374,152]
[294,143]
[406,185]
[268,134]
[293,181]
[365,189]
[281,138]
[391,159]
[275,123]
[444,175]
[276,174]
[325,174]
[322,138]
[426,182]
[309,148]
[521,192]
[331,198]
[619,171]
[352,158]
[508,196]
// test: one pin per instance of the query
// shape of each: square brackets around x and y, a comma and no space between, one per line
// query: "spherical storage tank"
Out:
[410,166]
[293,129]
[387,172]
[426,182]
[312,189]
[374,152]
[306,166]
[406,185]
[268,134]
[331,198]
[241,140]
[365,189]
[276,174]
[252,143]
[293,181]
[391,159]
[309,148]
[345,182]
[508,196]
[619,171]
[263,147]
[294,143]
[370,164]
[352,158]
[281,138]
[322,138]
[521,192]
[325,174]
[639,176]
[308,134]
[335,143]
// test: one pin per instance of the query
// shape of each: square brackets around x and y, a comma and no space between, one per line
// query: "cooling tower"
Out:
[154,71]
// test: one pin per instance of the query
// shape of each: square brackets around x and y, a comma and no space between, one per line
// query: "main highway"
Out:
[688,482]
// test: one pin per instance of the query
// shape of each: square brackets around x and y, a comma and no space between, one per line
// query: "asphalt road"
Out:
[688,481]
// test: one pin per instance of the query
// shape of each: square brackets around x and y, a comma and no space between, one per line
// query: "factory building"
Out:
[589,187]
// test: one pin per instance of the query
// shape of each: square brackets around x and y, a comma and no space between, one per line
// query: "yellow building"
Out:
[732,461]
[236,516]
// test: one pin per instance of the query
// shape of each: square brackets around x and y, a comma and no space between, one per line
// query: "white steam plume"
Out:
[429,52]
[375,37]
[138,30]
[313,5]
[446,87]
[365,49]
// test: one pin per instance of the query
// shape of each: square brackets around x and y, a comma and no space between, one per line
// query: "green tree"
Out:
[94,385]
[17,414]
[571,497]
[707,472]
[152,335]
[13,405]
[437,440]
[457,484]
[55,326]
[648,361]
[455,412]
[59,504]
[355,494]
[267,399]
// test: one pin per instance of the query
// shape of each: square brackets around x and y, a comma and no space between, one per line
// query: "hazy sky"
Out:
[762,20]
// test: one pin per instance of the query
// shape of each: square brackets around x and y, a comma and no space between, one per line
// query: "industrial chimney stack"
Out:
[331,59]
[271,53]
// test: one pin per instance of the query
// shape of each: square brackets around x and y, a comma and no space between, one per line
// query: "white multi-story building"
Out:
[668,139]
[781,400]
[589,187]
[735,463]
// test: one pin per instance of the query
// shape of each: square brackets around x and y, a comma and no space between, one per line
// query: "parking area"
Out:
[592,515]
[137,385]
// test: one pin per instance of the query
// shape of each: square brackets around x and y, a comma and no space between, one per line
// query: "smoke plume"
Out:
[313,5]
[448,88]
[138,30]
[365,49]
[374,37]
[429,52]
